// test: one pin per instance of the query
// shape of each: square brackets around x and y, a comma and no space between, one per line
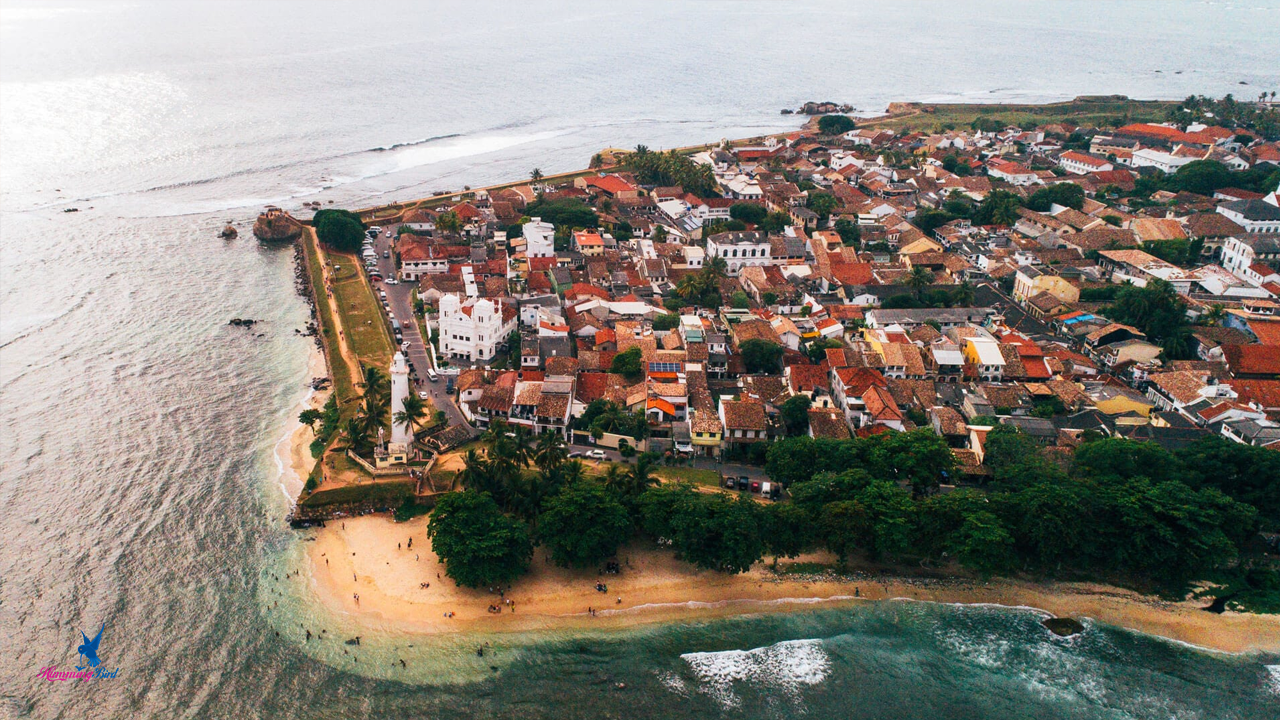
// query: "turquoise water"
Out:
[138,484]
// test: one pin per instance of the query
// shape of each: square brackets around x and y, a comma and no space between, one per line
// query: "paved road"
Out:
[704,463]
[400,298]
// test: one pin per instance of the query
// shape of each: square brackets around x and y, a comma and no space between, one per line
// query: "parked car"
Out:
[731,482]
[386,253]
[393,281]
[432,376]
[744,483]
[755,486]
[575,454]
[766,489]
[404,346]
[595,454]
[449,386]
[423,394]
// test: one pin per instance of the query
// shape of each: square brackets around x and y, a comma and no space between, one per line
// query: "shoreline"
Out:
[293,452]
[358,556]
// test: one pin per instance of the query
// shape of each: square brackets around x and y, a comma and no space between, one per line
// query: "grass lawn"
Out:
[697,476]
[361,313]
[1086,112]
[341,380]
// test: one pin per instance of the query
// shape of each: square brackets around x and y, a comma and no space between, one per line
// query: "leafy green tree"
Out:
[983,544]
[1156,310]
[769,298]
[1064,193]
[795,414]
[836,124]
[919,279]
[478,544]
[774,222]
[449,222]
[1243,472]
[670,168]
[890,518]
[1000,207]
[740,300]
[920,458]
[627,364]
[310,417]
[840,525]
[748,212]
[817,350]
[666,321]
[341,230]
[761,356]
[788,530]
[822,203]
[1202,177]
[711,531]
[583,524]
[930,220]
[848,231]
[566,213]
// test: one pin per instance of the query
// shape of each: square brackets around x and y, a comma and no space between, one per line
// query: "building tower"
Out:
[400,434]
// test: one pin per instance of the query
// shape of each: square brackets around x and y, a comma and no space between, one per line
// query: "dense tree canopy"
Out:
[341,230]
[671,168]
[1158,311]
[761,356]
[836,124]
[1064,193]
[748,212]
[583,524]
[567,213]
[478,544]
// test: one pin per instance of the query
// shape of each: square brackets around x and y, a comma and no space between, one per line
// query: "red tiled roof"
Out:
[1253,359]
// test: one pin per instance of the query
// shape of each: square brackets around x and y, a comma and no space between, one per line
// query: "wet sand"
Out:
[360,556]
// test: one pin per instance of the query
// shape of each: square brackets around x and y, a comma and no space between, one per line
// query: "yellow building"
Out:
[1031,281]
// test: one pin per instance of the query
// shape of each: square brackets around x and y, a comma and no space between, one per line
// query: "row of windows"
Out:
[743,252]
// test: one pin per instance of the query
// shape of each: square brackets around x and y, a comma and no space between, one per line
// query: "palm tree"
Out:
[639,478]
[357,433]
[373,413]
[919,279]
[521,446]
[964,294]
[716,267]
[550,451]
[414,412]
[574,471]
[376,382]
[614,479]
[536,175]
[1214,315]
[477,473]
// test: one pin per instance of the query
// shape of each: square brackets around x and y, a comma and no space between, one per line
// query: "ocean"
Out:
[139,483]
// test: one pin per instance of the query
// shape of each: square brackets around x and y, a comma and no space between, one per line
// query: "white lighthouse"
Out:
[400,434]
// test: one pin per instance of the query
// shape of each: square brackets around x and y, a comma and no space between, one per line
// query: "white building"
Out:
[1082,164]
[401,434]
[1255,216]
[539,238]
[740,249]
[1240,254]
[1162,161]
[474,329]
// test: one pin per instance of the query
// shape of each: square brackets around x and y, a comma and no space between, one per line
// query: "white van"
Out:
[432,376]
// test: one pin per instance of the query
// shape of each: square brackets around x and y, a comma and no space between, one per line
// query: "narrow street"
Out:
[400,298]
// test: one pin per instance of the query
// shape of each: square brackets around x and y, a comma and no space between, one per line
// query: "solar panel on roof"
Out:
[664,367]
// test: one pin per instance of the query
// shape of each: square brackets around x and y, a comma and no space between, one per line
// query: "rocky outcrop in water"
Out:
[229,232]
[824,108]
[1063,627]
[276,225]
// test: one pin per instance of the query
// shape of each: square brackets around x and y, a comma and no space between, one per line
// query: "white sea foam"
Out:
[1273,684]
[786,666]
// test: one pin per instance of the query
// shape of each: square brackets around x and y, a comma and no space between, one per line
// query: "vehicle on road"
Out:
[393,281]
[386,253]
[731,483]
[595,454]
[431,375]
[449,386]
[404,346]
[755,486]
[575,454]
[423,394]
[744,483]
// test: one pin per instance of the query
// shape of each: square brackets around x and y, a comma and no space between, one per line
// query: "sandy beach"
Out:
[369,557]
[294,453]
